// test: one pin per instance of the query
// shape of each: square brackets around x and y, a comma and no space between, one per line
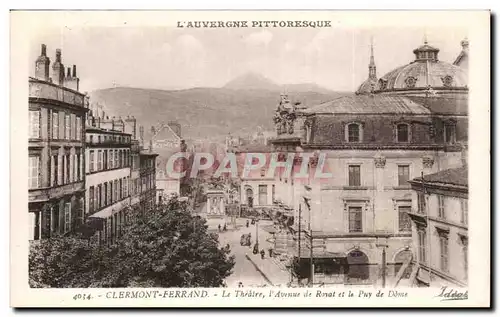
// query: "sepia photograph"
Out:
[260,156]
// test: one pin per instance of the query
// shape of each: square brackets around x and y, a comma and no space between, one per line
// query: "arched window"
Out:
[403,132]
[353,132]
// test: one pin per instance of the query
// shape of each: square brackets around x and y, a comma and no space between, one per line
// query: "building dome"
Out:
[426,71]
[367,87]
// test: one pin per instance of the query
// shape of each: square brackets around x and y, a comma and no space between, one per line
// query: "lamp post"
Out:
[382,243]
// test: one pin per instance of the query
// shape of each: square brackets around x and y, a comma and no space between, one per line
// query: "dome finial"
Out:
[425,38]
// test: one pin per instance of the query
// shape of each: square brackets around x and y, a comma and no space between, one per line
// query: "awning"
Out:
[323,254]
[103,214]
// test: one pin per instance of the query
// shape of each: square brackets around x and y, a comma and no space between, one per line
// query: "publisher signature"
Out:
[452,294]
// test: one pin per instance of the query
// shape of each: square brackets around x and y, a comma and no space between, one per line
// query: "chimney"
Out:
[71,81]
[58,69]
[42,64]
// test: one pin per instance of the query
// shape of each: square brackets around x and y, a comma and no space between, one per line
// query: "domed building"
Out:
[426,74]
[411,121]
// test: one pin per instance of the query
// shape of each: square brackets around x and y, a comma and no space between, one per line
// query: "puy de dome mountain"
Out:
[240,107]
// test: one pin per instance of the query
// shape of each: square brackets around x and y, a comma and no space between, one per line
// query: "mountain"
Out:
[255,81]
[203,112]
[252,81]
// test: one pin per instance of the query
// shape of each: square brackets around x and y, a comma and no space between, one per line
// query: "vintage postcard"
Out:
[250,158]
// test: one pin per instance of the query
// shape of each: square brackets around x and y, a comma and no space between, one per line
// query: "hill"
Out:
[202,112]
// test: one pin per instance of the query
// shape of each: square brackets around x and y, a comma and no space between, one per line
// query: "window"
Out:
[443,248]
[110,188]
[68,168]
[403,175]
[96,198]
[99,160]
[403,134]
[91,139]
[354,175]
[115,192]
[91,162]
[421,203]
[78,128]
[67,217]
[404,218]
[78,166]
[353,132]
[34,124]
[34,170]
[55,125]
[441,210]
[116,159]
[73,126]
[355,219]
[54,170]
[106,201]
[120,190]
[125,187]
[422,247]
[67,127]
[464,204]
[449,133]
[110,159]
[105,159]
[91,199]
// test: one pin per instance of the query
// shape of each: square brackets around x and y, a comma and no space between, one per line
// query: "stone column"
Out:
[378,214]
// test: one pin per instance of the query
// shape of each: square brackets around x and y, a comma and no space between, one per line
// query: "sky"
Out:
[170,58]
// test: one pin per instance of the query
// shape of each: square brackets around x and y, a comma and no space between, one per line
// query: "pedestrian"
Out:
[270,252]
[262,253]
[219,227]
[225,228]
[247,223]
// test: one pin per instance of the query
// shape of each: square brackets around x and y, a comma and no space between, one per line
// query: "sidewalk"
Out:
[271,272]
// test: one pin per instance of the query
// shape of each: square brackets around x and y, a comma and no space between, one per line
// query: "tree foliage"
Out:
[164,247]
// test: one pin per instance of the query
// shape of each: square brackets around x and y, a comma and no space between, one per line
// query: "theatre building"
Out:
[355,224]
[56,179]
[108,163]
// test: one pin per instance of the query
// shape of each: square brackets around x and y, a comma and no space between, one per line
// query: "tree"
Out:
[164,247]
[174,250]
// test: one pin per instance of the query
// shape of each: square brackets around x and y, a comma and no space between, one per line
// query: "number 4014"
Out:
[82,296]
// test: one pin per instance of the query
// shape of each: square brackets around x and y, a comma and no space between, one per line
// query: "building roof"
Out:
[101,130]
[456,104]
[422,74]
[367,86]
[369,104]
[452,176]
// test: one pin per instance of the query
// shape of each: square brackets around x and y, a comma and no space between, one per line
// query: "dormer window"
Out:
[449,133]
[403,133]
[354,132]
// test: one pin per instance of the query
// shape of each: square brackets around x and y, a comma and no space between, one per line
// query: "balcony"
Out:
[44,194]
[46,90]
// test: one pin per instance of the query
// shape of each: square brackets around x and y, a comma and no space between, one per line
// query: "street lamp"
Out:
[382,243]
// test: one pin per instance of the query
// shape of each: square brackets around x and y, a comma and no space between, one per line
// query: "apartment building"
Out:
[56,145]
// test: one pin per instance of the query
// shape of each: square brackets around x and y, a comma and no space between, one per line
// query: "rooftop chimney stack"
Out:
[42,64]
[71,81]
[58,69]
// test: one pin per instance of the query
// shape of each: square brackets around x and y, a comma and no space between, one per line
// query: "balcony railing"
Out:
[46,90]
